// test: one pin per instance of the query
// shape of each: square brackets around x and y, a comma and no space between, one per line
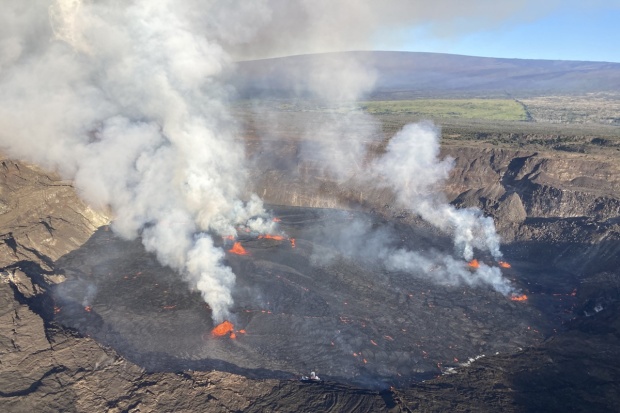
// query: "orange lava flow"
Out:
[504,264]
[521,297]
[274,237]
[474,263]
[224,328]
[278,238]
[238,249]
[88,308]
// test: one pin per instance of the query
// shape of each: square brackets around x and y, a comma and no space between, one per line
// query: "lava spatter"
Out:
[238,249]
[224,328]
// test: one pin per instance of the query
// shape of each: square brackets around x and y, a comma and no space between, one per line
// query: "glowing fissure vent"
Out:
[238,249]
[278,238]
[269,236]
[224,328]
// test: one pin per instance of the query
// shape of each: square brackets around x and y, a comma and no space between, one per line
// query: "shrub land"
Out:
[491,109]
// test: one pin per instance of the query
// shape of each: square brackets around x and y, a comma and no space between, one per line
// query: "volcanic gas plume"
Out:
[133,114]
[129,100]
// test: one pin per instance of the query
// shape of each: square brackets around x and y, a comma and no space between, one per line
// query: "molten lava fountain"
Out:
[238,249]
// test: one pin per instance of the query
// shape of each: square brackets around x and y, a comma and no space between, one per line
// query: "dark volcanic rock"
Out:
[349,319]
[41,217]
[576,371]
[47,369]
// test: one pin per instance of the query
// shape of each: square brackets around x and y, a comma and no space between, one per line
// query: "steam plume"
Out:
[412,169]
[133,112]
[444,269]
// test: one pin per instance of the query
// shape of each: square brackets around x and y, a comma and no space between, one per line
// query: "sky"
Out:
[563,34]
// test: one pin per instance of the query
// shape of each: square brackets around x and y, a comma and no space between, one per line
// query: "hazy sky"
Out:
[576,33]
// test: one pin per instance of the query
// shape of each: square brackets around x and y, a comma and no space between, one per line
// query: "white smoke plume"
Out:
[444,269]
[372,244]
[124,98]
[412,169]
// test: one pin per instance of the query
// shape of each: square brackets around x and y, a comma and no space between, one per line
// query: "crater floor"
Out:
[296,311]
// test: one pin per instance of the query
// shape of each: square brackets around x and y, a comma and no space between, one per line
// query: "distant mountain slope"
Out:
[404,75]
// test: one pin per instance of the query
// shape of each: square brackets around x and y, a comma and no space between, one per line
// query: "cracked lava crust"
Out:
[347,320]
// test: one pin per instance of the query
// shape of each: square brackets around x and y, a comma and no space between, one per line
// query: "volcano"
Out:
[349,320]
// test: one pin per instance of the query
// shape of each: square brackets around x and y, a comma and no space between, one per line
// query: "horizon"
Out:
[421,52]
[572,33]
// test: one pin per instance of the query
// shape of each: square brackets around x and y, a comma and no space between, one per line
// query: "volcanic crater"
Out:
[301,305]
[294,299]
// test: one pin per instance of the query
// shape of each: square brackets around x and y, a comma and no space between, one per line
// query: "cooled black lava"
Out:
[344,319]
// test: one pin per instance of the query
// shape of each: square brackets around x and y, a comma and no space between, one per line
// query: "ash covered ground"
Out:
[306,307]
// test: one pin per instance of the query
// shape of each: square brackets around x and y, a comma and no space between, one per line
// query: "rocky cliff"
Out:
[570,200]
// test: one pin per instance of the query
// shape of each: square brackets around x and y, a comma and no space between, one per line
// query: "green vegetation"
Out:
[463,121]
[489,109]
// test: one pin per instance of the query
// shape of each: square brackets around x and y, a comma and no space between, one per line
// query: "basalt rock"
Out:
[41,217]
[519,189]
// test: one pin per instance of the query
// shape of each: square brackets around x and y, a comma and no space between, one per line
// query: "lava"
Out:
[473,263]
[88,308]
[521,297]
[224,328]
[278,238]
[274,237]
[238,249]
[504,264]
